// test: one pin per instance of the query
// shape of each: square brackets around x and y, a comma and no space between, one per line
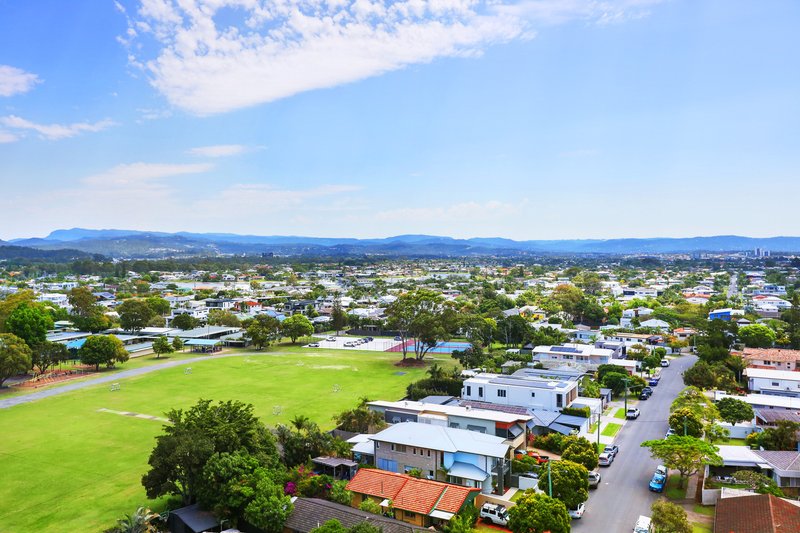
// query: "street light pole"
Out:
[625,380]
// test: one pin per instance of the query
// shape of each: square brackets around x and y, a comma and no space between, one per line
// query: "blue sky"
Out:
[529,119]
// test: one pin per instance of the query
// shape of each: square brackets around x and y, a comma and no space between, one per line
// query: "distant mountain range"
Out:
[149,244]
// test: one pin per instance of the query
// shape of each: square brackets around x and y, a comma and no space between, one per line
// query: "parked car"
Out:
[398,338]
[653,382]
[642,525]
[665,362]
[611,449]
[605,459]
[644,396]
[648,390]
[658,482]
[670,432]
[313,345]
[661,469]
[496,514]
[632,413]
[540,459]
[331,339]
[594,479]
[577,513]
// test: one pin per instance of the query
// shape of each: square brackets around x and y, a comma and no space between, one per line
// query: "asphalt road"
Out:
[623,493]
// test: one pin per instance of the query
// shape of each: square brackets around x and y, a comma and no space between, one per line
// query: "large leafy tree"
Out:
[792,318]
[10,303]
[538,513]
[302,440]
[424,317]
[263,330]
[184,321]
[218,317]
[15,356]
[668,517]
[781,437]
[297,326]
[30,322]
[685,421]
[757,336]
[190,439]
[48,354]
[162,345]
[134,314]
[361,419]
[687,455]
[570,482]
[338,317]
[582,452]
[102,350]
[733,411]
[569,298]
[159,305]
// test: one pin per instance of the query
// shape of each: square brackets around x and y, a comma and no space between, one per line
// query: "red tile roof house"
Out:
[416,501]
[762,513]
[772,358]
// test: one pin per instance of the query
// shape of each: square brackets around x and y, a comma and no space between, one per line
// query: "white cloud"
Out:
[16,81]
[7,137]
[280,48]
[55,131]
[219,150]
[133,174]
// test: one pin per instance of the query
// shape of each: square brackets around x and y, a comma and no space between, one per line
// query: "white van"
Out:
[496,514]
[642,525]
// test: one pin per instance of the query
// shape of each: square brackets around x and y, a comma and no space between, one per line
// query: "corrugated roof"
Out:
[443,439]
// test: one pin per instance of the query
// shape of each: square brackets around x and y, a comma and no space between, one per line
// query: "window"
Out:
[480,392]
[533,395]
[429,453]
[377,445]
[399,448]
[501,393]
[409,514]
[775,384]
[559,400]
[469,390]
[479,429]
[454,425]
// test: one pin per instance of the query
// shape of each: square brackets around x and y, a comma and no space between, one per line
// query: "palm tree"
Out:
[436,371]
[139,522]
[300,422]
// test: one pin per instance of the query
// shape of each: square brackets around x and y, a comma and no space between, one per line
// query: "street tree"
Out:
[47,354]
[668,517]
[733,411]
[102,350]
[684,421]
[423,317]
[700,375]
[570,482]
[15,356]
[538,513]
[582,452]
[162,345]
[134,314]
[297,326]
[30,322]
[687,455]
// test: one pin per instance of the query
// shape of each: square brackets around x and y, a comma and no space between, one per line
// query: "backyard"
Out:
[63,453]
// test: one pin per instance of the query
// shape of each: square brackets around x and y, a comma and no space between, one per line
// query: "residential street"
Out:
[623,494]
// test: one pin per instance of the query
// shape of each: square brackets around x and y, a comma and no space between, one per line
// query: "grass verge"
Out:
[611,429]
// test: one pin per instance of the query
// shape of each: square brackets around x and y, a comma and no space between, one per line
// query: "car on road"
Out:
[658,482]
[632,413]
[611,449]
[642,525]
[665,363]
[313,345]
[594,479]
[331,339]
[605,459]
[496,514]
[577,513]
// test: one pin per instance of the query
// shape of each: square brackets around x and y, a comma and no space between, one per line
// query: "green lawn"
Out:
[68,467]
[707,510]
[701,528]
[611,429]
[673,490]
[620,413]
[734,442]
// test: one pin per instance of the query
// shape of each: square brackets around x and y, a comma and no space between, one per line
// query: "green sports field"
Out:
[67,466]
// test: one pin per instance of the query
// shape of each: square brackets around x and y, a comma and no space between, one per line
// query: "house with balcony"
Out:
[533,391]
[469,458]
[773,382]
[585,355]
[509,426]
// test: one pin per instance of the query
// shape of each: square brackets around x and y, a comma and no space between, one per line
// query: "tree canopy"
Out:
[102,350]
[538,513]
[570,482]
[668,517]
[30,321]
[733,411]
[687,455]
[15,356]
[297,326]
[134,314]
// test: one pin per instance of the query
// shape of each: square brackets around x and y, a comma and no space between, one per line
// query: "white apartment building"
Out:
[774,382]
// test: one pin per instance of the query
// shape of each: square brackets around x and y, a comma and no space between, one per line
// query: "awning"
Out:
[515,431]
[467,471]
[386,503]
[443,515]
[564,430]
[765,466]
[202,342]
[367,448]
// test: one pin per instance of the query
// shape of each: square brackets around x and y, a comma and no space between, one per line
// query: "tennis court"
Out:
[442,347]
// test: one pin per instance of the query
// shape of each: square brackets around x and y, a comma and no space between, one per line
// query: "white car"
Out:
[496,514]
[642,525]
[632,413]
[605,459]
[577,513]
[331,339]
[665,362]
[313,345]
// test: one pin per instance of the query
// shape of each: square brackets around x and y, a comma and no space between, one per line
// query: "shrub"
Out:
[370,506]
[584,412]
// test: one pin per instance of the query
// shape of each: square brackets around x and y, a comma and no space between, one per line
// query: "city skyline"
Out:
[526,120]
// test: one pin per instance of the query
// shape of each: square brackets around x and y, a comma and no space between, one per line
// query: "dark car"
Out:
[653,382]
[644,396]
[648,390]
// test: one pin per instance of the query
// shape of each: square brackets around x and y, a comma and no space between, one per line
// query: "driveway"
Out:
[623,494]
